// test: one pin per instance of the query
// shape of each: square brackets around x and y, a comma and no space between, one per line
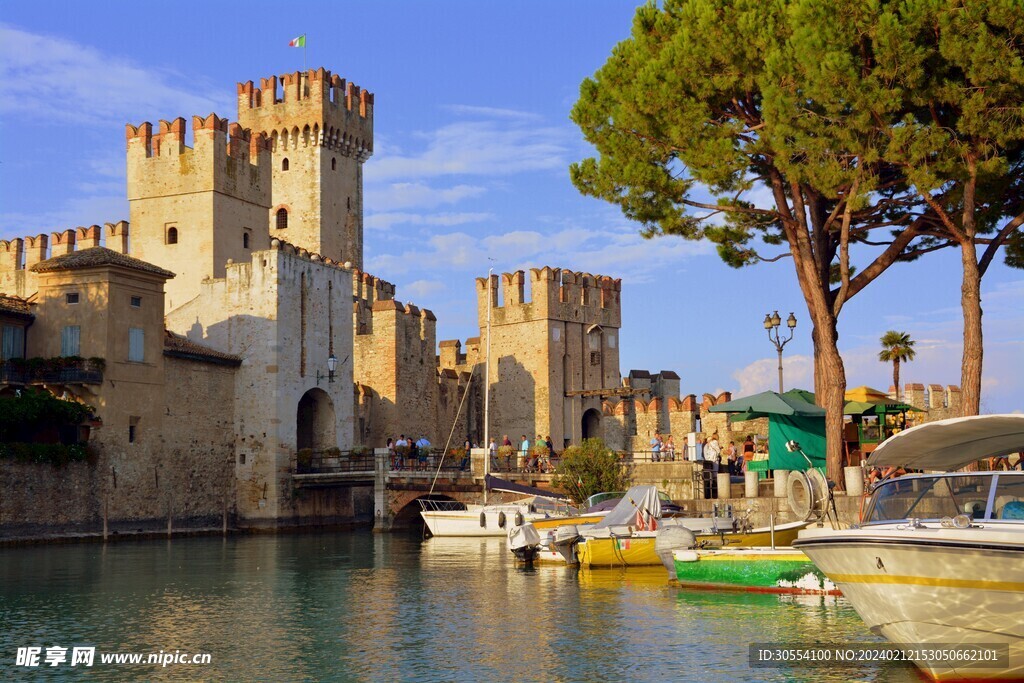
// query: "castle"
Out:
[228,324]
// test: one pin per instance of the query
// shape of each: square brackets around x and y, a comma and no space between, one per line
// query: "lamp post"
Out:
[772,323]
[332,365]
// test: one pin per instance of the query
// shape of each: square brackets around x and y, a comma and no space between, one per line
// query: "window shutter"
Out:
[136,344]
[69,340]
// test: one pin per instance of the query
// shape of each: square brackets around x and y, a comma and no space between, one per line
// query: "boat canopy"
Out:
[495,484]
[947,445]
[638,498]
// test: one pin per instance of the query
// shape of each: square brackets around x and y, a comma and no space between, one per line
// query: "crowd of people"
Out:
[408,453]
[711,450]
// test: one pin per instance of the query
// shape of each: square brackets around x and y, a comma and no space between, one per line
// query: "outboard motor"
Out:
[524,542]
[670,539]
[566,538]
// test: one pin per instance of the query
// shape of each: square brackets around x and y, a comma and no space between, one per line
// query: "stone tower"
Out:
[194,208]
[553,354]
[320,130]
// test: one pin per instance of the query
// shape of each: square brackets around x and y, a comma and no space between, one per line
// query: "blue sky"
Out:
[473,143]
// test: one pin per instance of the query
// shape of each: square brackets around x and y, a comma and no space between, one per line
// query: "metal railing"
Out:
[331,461]
[51,371]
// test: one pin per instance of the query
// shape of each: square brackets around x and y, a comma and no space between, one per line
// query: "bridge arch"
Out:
[314,421]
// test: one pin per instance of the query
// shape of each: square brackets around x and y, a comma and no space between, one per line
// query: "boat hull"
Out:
[763,570]
[930,589]
[466,523]
[638,549]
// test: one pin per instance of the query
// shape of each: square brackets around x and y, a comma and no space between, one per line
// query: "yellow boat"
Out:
[637,548]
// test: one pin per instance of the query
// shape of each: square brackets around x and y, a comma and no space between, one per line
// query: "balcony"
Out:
[65,370]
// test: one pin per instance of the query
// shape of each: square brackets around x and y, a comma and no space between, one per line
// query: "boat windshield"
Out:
[930,497]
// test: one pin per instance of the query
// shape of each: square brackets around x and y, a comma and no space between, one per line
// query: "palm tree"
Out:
[897,347]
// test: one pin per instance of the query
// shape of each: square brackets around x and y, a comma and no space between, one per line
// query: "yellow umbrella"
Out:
[866,394]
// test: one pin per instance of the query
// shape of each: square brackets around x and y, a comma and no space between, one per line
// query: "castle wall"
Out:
[194,208]
[284,313]
[396,360]
[561,339]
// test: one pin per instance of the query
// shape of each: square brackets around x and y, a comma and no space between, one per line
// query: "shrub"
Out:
[590,468]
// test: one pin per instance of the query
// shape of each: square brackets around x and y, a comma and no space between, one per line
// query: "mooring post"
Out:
[381,518]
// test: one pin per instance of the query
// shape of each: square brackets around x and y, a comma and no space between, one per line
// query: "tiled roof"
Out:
[98,256]
[179,347]
[14,305]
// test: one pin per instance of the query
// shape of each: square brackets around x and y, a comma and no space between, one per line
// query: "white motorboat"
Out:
[936,564]
[451,518]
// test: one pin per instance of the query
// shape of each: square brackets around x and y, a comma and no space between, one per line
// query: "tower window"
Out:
[245,240]
[284,164]
[334,164]
[172,235]
[71,298]
[136,302]
[282,219]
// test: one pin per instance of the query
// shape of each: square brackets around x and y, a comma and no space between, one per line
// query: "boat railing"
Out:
[432,505]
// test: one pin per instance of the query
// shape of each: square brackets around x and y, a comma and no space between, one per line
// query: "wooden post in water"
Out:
[106,512]
[170,504]
[224,523]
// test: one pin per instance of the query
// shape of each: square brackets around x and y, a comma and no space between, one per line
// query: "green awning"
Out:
[877,407]
[770,403]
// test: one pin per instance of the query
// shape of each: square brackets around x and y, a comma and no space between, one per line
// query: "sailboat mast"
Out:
[487,388]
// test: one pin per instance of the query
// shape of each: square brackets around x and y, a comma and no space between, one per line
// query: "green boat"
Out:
[761,570]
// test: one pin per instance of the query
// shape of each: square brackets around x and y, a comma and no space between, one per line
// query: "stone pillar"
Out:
[382,513]
[750,484]
[781,481]
[724,485]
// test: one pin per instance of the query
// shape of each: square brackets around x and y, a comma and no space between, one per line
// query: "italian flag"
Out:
[298,42]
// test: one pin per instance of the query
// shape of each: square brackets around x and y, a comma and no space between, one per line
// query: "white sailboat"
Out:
[452,518]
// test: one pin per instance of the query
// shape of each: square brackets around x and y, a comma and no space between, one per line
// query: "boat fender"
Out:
[483,520]
[686,556]
[519,518]
[501,520]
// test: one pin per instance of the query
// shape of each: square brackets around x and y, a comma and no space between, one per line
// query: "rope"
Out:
[448,443]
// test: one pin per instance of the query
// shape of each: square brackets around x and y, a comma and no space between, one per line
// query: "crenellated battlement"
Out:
[555,294]
[313,107]
[21,253]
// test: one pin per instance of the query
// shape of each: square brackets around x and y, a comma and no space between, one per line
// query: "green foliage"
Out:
[22,417]
[896,346]
[48,453]
[590,468]
[304,458]
[795,114]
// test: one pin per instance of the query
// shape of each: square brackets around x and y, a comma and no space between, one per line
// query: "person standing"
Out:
[730,457]
[524,451]
[748,451]
[656,447]
[492,452]
[670,449]
[713,452]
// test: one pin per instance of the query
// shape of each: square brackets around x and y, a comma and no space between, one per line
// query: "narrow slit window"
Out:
[284,164]
[172,235]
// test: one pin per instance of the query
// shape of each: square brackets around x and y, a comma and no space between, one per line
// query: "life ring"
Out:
[483,520]
[806,493]
[501,520]
[519,518]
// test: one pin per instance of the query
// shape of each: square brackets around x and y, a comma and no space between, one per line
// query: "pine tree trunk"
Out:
[970,301]
[830,390]
[896,376]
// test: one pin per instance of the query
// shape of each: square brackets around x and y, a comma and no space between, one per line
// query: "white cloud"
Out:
[384,221]
[487,148]
[392,196]
[61,80]
[763,375]
[80,211]
[491,112]
[422,288]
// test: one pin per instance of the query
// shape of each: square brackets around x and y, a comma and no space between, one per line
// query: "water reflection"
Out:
[358,606]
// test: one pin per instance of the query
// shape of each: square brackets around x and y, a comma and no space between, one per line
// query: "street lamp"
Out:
[332,365]
[772,323]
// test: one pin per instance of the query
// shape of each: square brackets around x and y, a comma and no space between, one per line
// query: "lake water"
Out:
[355,606]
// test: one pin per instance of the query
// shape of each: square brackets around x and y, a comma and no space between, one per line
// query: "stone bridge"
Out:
[396,491]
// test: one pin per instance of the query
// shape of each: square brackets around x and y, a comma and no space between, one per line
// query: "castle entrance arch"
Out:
[314,421]
[592,424]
